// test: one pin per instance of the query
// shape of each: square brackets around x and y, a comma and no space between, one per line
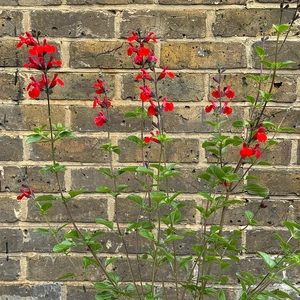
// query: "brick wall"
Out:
[195,36]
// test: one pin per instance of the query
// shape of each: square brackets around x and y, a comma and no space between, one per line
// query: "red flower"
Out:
[247,152]
[152,58]
[29,40]
[144,74]
[100,119]
[260,135]
[56,81]
[133,37]
[226,109]
[229,93]
[42,49]
[131,49]
[217,94]
[209,108]
[100,85]
[143,51]
[103,104]
[149,139]
[36,88]
[150,37]
[26,194]
[146,93]
[152,108]
[52,63]
[168,106]
[164,73]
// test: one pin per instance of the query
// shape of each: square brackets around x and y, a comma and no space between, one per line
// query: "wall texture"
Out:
[194,36]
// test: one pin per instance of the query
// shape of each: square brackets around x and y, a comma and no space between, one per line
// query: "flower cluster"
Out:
[104,104]
[218,94]
[40,58]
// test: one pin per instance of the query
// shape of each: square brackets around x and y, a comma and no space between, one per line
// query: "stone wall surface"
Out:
[194,36]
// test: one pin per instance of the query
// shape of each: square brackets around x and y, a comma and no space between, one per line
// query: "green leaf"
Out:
[136,140]
[263,163]
[136,198]
[127,169]
[173,237]
[121,187]
[257,189]
[89,261]
[72,234]
[105,171]
[65,276]
[216,172]
[207,196]
[250,217]
[45,208]
[63,246]
[45,198]
[147,234]
[221,295]
[224,265]
[110,260]
[250,99]
[103,189]
[109,224]
[76,193]
[144,170]
[282,294]
[32,138]
[103,285]
[157,196]
[113,277]
[104,296]
[260,52]
[281,28]
[268,260]
[66,134]
[42,230]
[266,63]
[238,124]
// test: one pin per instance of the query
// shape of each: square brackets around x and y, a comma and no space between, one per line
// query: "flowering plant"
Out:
[158,266]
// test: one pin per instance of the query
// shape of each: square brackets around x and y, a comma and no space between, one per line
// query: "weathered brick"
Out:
[192,2]
[81,149]
[9,209]
[203,55]
[109,2]
[11,148]
[85,209]
[273,215]
[9,89]
[185,87]
[42,292]
[57,266]
[279,154]
[79,293]
[247,22]
[191,119]
[81,86]
[89,178]
[11,240]
[104,55]
[165,24]
[72,23]
[13,177]
[9,269]
[243,87]
[298,153]
[280,181]
[27,117]
[259,239]
[82,119]
[11,23]
[9,2]
[289,51]
[179,150]
[39,3]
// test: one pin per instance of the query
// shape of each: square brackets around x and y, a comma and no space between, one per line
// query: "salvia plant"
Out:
[157,267]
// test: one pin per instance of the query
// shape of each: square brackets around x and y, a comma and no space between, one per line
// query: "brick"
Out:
[191,119]
[72,24]
[280,181]
[204,55]
[42,292]
[104,55]
[12,149]
[273,215]
[9,269]
[13,177]
[85,209]
[79,293]
[279,154]
[243,87]
[80,86]
[108,2]
[289,51]
[9,209]
[82,119]
[27,116]
[192,2]
[11,240]
[298,153]
[11,23]
[39,3]
[259,239]
[80,149]
[250,22]
[89,178]
[179,150]
[10,90]
[57,266]
[9,2]
[185,87]
[165,24]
